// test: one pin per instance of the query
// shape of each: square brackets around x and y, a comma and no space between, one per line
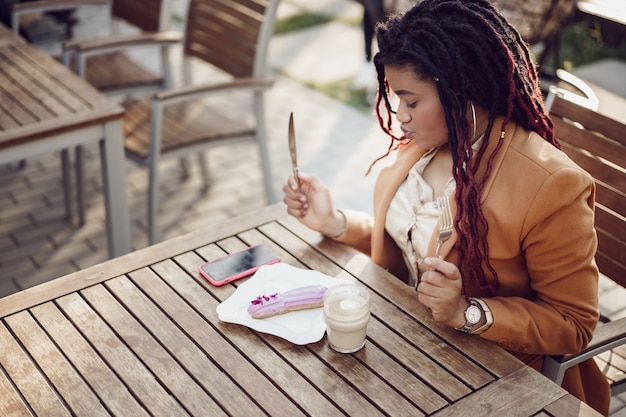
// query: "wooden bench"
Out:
[598,144]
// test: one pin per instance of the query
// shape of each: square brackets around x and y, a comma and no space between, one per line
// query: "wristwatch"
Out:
[488,317]
[473,314]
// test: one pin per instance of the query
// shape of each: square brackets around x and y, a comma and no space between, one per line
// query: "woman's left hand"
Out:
[441,290]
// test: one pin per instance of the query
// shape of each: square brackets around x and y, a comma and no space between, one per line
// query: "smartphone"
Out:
[237,265]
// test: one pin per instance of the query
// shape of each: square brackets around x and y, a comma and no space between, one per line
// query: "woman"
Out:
[519,269]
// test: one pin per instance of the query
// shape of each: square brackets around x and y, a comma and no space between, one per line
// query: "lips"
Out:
[407,133]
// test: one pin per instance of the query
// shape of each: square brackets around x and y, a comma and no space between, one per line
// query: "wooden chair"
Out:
[232,37]
[598,144]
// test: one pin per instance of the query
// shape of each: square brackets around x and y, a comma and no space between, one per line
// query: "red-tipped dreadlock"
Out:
[475,56]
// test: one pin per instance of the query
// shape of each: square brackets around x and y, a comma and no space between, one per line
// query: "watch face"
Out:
[473,314]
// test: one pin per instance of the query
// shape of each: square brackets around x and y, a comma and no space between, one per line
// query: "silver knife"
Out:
[292,150]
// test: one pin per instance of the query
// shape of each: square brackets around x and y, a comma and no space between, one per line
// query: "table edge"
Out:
[132,261]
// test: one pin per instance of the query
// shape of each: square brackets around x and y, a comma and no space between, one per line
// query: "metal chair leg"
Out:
[153,202]
[80,183]
[66,179]
[204,169]
[184,168]
[270,196]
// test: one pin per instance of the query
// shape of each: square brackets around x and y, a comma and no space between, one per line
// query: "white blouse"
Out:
[413,215]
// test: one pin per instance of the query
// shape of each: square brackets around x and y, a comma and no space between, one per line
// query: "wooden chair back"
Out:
[229,35]
[232,37]
[598,144]
[147,15]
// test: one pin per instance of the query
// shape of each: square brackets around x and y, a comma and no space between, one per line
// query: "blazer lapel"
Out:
[494,138]
[389,179]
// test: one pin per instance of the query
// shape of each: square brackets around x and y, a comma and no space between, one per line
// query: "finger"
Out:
[295,203]
[422,295]
[302,178]
[293,195]
[288,190]
[432,278]
[428,289]
[294,183]
[429,302]
[297,212]
[446,268]
[290,197]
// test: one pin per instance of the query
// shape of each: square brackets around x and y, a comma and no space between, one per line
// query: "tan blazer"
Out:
[542,242]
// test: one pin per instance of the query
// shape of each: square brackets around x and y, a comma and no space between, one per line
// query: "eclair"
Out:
[301,298]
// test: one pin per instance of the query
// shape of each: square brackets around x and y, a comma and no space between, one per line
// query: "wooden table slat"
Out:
[64,86]
[413,386]
[189,355]
[21,87]
[232,362]
[77,395]
[32,385]
[14,114]
[568,405]
[119,358]
[521,393]
[87,361]
[153,355]
[12,404]
[28,85]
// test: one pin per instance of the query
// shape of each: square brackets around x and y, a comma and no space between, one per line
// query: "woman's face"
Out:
[418,108]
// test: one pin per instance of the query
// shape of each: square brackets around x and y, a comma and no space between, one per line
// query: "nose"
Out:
[402,116]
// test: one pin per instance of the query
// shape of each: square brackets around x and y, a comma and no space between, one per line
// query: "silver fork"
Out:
[445,225]
[445,222]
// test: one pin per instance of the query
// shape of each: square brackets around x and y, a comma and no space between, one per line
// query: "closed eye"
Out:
[395,105]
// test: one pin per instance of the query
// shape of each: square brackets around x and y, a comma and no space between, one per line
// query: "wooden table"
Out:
[45,107]
[139,335]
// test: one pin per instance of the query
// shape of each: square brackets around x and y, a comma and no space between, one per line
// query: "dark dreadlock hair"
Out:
[473,55]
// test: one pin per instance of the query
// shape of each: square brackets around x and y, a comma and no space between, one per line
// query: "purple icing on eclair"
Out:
[311,296]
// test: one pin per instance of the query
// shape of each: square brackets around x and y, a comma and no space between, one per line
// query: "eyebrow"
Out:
[404,93]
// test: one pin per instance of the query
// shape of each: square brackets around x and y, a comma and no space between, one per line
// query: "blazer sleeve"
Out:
[559,242]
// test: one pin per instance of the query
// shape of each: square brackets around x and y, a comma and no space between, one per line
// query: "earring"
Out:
[474,119]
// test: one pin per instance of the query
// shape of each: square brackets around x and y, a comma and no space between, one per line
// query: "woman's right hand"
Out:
[312,205]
